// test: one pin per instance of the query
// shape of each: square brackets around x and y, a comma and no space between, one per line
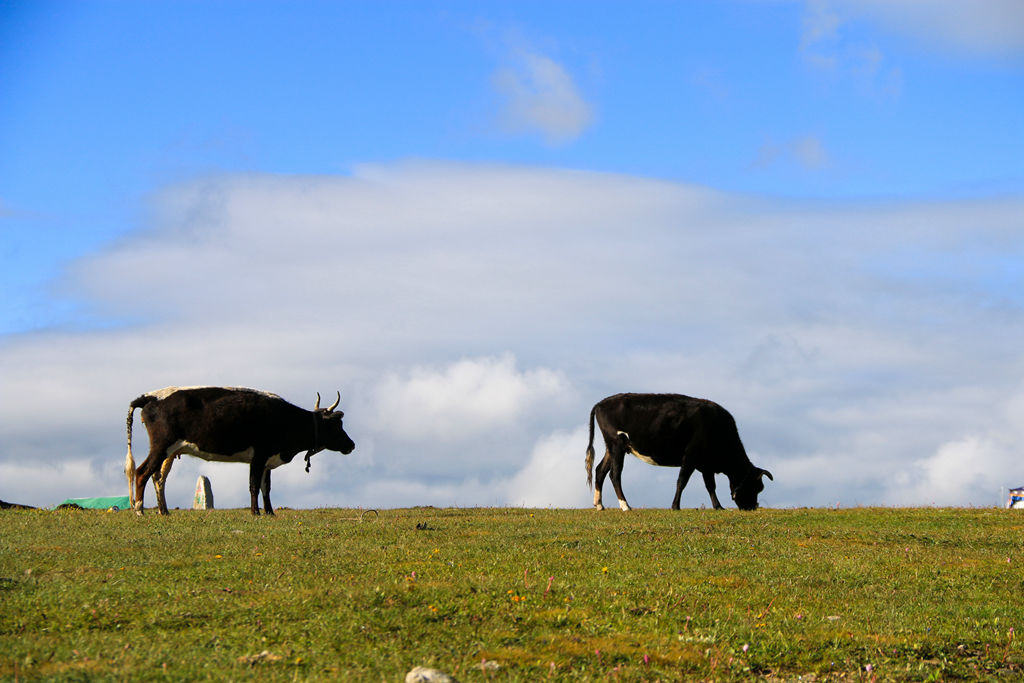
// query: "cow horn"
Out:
[335,404]
[317,406]
[767,474]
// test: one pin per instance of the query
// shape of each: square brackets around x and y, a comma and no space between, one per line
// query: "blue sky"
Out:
[862,159]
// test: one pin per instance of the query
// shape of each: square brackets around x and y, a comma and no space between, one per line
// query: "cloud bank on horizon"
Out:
[863,361]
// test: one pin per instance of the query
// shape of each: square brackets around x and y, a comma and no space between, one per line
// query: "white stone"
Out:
[204,494]
[422,674]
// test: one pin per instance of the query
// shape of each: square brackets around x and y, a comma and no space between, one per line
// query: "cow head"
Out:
[745,493]
[330,433]
[327,431]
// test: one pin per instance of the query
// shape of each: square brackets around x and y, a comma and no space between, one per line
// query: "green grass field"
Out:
[512,595]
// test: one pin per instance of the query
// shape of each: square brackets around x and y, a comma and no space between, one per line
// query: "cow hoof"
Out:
[624,506]
[598,506]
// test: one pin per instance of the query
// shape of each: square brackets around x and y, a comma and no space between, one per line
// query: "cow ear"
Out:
[767,474]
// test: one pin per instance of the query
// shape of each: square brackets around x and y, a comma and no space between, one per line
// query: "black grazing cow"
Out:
[673,431]
[228,424]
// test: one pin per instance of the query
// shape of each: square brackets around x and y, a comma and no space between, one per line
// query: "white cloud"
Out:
[553,474]
[807,152]
[820,23]
[971,465]
[981,28]
[977,466]
[471,315]
[462,400]
[826,48]
[540,96]
[984,27]
[48,484]
[810,152]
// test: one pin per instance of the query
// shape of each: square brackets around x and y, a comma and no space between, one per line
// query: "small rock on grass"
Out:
[265,656]
[422,674]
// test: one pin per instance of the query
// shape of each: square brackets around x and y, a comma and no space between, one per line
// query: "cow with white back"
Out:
[672,430]
[228,424]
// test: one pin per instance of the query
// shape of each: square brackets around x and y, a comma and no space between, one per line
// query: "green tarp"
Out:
[101,503]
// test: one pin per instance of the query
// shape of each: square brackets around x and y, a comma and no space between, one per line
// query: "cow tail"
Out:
[590,452]
[129,461]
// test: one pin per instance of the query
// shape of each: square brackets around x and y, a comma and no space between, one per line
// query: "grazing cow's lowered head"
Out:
[745,492]
[228,424]
[673,431]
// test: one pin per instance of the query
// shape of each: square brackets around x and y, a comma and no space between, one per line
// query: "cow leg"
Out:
[159,480]
[150,467]
[602,471]
[618,454]
[266,493]
[709,482]
[257,468]
[684,476]
[142,475]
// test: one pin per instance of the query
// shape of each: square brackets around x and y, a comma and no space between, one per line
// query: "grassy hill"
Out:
[512,594]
